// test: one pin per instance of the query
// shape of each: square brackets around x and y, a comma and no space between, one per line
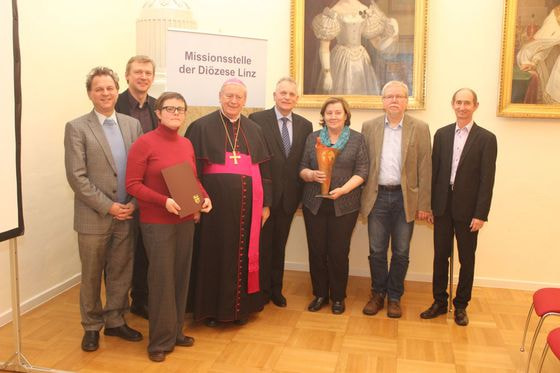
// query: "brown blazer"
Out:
[91,170]
[416,170]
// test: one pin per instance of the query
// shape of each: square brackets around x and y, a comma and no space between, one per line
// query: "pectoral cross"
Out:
[235,157]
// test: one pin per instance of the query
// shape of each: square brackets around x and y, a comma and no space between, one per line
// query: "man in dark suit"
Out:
[285,133]
[96,146]
[136,102]
[463,170]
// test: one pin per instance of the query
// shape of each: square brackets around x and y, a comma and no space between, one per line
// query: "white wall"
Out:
[517,247]
[62,39]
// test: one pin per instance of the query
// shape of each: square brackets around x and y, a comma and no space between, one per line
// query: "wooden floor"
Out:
[295,340]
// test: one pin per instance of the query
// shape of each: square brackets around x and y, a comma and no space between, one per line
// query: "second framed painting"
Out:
[351,48]
[530,71]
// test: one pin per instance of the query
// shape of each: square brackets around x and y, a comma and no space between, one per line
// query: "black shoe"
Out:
[139,310]
[90,341]
[434,311]
[461,317]
[265,297]
[241,321]
[125,332]
[338,307]
[317,303]
[279,300]
[211,322]
[184,341]
[157,356]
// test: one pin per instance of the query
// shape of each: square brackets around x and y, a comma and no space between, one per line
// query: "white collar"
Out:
[102,117]
[228,118]
[468,126]
[279,115]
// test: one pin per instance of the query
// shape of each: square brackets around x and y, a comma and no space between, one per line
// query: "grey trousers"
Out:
[111,252]
[169,251]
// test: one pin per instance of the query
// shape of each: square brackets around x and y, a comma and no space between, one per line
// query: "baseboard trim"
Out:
[48,294]
[41,298]
[427,277]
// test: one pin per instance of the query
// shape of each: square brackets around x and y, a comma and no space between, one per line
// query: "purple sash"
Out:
[247,168]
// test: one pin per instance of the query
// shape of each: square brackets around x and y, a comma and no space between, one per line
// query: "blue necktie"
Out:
[285,136]
[116,142]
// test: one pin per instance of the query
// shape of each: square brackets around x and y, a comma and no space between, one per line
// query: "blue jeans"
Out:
[387,221]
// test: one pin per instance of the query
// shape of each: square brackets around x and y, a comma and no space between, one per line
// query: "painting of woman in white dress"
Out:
[346,67]
[351,48]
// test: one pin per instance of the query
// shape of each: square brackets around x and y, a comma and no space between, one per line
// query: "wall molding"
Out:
[45,296]
[427,277]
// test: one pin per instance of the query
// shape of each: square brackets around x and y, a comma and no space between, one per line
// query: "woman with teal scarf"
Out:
[330,220]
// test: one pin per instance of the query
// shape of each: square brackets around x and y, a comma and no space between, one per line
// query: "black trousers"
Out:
[445,227]
[328,241]
[274,236]
[139,290]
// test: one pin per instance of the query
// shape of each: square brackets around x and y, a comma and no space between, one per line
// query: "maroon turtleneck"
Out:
[152,152]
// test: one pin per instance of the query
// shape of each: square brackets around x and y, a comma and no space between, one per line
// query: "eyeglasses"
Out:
[173,109]
[396,98]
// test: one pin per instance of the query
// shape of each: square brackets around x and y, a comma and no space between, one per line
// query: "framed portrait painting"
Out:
[351,48]
[530,64]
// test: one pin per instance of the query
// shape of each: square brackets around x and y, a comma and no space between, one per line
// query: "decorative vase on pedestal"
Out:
[155,18]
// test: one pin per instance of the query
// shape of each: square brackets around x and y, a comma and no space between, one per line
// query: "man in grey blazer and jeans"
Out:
[396,193]
[96,147]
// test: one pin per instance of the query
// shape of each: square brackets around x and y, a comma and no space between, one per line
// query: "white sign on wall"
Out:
[198,64]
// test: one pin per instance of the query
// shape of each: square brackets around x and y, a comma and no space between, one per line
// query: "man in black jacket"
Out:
[136,102]
[463,170]
[285,133]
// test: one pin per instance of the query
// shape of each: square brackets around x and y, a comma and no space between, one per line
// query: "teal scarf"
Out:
[342,139]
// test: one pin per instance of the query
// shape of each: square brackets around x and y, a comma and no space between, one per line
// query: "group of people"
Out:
[114,156]
[253,173]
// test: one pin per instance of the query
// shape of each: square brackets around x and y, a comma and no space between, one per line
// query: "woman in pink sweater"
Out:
[167,237]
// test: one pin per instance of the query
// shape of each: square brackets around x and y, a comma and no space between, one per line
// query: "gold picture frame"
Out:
[408,65]
[523,78]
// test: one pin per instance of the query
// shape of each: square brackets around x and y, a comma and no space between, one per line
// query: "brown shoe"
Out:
[374,305]
[394,309]
[157,356]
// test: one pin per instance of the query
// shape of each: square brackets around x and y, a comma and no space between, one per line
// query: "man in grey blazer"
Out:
[285,133]
[96,147]
[396,193]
